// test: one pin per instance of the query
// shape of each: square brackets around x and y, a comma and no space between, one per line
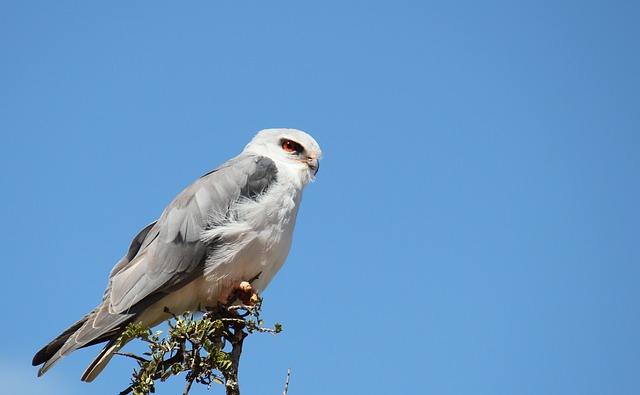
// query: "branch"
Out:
[196,347]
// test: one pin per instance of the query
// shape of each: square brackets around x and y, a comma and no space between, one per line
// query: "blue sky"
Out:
[475,225]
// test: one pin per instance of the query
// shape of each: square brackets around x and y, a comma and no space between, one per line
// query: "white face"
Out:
[291,147]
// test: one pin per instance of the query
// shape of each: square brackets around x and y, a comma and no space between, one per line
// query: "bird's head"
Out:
[293,148]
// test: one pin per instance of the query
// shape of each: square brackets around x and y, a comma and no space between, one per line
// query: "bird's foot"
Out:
[247,294]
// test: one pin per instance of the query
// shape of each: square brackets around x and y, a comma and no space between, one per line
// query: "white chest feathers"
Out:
[253,237]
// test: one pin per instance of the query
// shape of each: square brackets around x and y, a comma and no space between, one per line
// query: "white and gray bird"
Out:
[227,227]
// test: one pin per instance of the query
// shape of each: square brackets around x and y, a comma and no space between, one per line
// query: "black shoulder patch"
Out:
[264,174]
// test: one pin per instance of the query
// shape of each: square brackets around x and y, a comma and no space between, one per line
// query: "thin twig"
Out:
[131,355]
[241,307]
[266,330]
[286,384]
[189,382]
[238,321]
[126,391]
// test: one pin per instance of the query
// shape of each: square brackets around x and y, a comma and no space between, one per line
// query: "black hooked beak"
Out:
[314,164]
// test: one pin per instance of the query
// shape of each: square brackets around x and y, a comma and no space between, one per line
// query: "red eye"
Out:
[290,146]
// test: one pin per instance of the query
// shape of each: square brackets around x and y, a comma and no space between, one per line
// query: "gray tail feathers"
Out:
[96,327]
[101,361]
[49,355]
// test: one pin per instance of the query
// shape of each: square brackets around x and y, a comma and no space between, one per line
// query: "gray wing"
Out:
[169,253]
[165,255]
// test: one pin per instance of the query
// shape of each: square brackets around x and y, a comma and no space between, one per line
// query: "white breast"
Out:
[256,239]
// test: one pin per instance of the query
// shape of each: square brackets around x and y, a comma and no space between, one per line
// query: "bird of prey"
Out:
[229,226]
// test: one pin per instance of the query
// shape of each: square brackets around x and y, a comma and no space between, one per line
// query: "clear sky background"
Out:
[475,224]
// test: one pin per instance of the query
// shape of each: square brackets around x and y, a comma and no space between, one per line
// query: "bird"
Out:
[231,225]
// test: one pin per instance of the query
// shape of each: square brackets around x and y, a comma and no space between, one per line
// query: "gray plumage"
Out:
[201,239]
